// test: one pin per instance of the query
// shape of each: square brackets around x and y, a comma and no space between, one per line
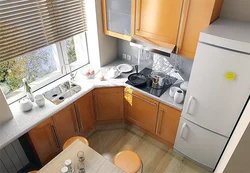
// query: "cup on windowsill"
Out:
[40,100]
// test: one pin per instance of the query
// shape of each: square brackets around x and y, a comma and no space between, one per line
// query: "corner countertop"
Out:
[22,122]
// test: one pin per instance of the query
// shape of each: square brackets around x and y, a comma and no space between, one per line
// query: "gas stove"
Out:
[147,87]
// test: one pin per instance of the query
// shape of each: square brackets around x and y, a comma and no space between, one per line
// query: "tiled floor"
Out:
[156,157]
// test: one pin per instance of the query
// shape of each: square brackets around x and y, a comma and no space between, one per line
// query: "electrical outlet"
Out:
[129,57]
[124,56]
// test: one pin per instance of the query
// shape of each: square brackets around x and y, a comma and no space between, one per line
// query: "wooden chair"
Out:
[128,161]
[71,140]
[34,171]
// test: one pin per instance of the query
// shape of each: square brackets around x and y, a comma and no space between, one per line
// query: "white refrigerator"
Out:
[219,87]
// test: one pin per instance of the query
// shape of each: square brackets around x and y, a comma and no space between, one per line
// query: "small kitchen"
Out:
[124,85]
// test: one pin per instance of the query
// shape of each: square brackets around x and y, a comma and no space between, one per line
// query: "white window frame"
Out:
[79,41]
[61,59]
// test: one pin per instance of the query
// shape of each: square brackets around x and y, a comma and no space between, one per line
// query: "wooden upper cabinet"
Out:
[117,18]
[157,20]
[85,111]
[44,140]
[197,15]
[108,103]
[167,124]
[140,110]
[66,123]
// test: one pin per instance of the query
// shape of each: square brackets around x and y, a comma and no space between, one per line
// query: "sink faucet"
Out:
[72,75]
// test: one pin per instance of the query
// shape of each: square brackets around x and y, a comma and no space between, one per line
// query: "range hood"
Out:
[152,46]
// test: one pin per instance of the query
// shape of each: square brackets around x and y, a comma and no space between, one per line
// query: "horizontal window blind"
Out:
[27,25]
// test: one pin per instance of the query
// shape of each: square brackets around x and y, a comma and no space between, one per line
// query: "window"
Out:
[42,66]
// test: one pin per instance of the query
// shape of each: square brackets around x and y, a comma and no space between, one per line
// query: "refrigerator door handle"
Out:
[184,133]
[189,104]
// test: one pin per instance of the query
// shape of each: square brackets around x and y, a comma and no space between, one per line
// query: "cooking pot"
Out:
[157,79]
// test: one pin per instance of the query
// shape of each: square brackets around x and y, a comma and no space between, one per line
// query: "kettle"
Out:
[25,104]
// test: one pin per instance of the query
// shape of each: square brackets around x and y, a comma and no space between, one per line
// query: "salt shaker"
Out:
[64,170]
[68,164]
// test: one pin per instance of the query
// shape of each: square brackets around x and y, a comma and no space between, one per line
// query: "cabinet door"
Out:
[158,19]
[85,111]
[168,121]
[140,110]
[117,18]
[108,103]
[197,15]
[66,123]
[199,144]
[44,140]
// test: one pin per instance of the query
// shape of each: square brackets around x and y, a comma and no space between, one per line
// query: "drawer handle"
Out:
[183,132]
[189,105]
[154,104]
[96,105]
[55,135]
[160,121]
[76,120]
[80,117]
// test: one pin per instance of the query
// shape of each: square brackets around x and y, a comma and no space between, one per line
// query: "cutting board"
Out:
[5,113]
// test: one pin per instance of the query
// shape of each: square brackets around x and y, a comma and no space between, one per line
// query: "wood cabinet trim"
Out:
[184,16]
[105,28]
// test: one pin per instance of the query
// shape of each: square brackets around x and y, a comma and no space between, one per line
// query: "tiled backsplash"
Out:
[158,62]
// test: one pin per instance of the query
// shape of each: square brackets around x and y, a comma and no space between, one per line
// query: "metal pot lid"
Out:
[158,74]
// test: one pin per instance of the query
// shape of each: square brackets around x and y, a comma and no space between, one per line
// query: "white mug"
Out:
[39,99]
[178,96]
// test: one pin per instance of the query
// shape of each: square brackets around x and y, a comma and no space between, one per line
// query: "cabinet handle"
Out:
[76,120]
[183,134]
[154,104]
[96,110]
[160,121]
[80,117]
[189,104]
[55,135]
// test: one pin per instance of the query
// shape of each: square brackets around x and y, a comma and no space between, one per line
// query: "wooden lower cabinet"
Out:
[45,141]
[167,124]
[66,123]
[140,110]
[108,103]
[85,111]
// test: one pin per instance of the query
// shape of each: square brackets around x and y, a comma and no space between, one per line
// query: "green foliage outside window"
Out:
[31,66]
[70,47]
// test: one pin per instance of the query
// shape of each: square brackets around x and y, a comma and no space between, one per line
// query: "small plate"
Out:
[124,68]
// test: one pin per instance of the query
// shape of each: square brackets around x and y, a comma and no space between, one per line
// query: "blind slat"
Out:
[28,25]
[25,50]
[52,38]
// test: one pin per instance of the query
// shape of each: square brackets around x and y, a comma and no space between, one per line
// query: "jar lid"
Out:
[64,169]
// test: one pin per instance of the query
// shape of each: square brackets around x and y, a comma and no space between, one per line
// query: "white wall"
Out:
[237,152]
[236,9]
[102,49]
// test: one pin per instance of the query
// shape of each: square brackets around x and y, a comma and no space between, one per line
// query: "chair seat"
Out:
[35,171]
[128,161]
[71,140]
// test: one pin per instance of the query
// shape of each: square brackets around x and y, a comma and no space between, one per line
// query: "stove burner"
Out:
[147,87]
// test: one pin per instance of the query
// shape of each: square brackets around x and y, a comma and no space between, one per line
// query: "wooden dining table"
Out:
[93,163]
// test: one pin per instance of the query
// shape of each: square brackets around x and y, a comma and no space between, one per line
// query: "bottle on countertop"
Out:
[28,90]
[68,164]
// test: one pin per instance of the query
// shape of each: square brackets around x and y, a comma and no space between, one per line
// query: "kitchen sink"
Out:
[62,91]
